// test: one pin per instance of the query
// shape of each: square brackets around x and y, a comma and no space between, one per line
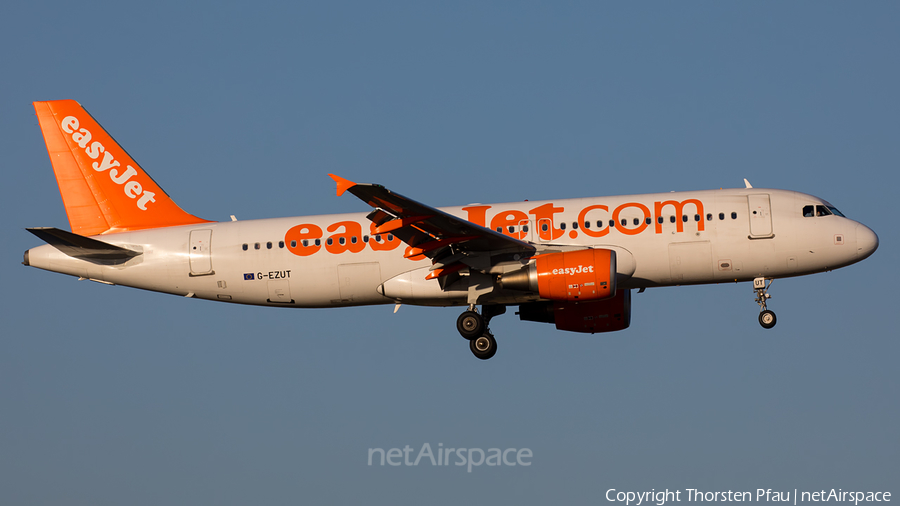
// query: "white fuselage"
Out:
[732,235]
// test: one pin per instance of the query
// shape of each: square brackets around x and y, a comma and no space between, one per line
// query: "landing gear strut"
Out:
[474,327]
[766,317]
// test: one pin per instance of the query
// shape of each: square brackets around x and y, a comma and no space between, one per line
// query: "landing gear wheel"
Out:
[470,325]
[767,319]
[484,346]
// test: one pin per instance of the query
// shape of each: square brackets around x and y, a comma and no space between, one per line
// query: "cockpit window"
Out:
[820,210]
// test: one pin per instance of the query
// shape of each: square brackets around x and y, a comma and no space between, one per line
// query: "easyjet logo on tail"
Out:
[82,137]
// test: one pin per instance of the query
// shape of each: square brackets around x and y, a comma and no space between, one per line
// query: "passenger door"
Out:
[200,253]
[760,215]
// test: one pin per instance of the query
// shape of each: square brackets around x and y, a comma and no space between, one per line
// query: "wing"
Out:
[452,243]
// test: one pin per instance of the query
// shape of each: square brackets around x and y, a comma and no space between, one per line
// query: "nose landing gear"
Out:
[766,316]
[474,327]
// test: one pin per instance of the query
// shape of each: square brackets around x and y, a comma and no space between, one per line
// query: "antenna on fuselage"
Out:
[747,184]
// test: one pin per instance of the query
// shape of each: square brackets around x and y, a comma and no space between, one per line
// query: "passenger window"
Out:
[256,246]
[511,229]
[269,245]
[377,237]
[649,221]
[637,221]
[562,226]
[365,238]
[733,216]
[500,229]
[353,240]
[244,247]
[708,216]
[623,221]
[318,242]
[329,241]
[587,224]
[574,225]
[341,241]
[612,224]
[390,237]
[671,219]
[696,217]
[280,244]
[524,228]
[543,227]
[599,224]
[721,216]
[684,218]
[659,219]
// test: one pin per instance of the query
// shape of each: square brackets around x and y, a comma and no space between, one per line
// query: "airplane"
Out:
[572,263]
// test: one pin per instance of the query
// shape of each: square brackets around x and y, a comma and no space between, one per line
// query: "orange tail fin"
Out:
[102,188]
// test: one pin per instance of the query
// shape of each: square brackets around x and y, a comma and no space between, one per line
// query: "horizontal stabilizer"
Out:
[79,246]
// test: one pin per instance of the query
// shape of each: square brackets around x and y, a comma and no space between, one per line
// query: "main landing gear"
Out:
[474,327]
[766,317]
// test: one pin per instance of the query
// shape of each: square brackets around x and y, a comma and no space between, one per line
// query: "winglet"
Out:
[342,184]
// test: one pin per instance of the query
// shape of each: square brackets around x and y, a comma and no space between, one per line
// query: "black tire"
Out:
[484,346]
[767,319]
[470,325]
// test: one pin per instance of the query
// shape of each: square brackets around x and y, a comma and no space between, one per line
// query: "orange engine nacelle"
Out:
[588,316]
[588,274]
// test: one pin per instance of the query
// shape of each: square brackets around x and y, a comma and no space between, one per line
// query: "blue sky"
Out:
[110,395]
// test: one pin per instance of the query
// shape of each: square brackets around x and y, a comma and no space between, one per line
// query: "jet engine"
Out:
[582,275]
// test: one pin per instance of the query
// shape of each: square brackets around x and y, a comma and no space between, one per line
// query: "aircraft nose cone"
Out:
[866,241]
